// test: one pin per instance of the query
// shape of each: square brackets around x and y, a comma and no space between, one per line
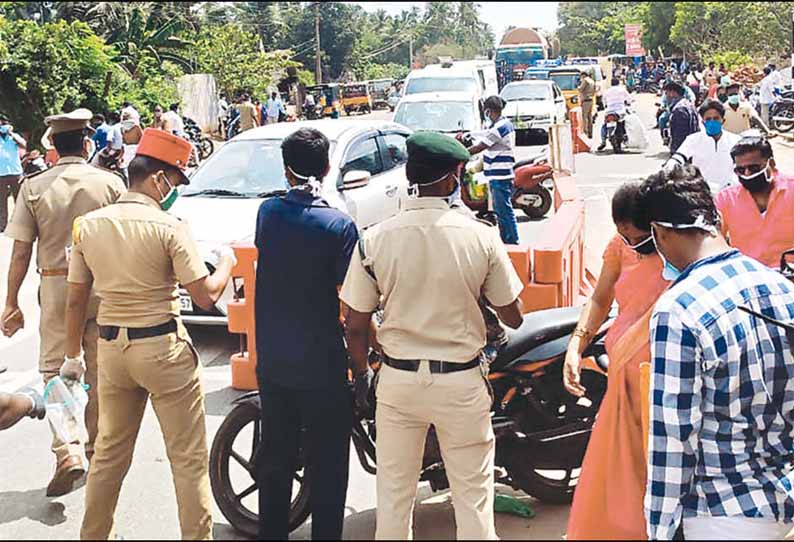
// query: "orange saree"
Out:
[608,503]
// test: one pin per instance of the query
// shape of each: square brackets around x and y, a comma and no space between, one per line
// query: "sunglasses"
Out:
[752,169]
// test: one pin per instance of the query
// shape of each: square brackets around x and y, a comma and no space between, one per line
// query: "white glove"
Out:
[73,368]
[221,251]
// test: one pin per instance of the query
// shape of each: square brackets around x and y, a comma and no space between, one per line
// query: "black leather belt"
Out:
[436,367]
[109,333]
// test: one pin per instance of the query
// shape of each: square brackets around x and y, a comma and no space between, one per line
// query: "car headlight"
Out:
[575,100]
[542,117]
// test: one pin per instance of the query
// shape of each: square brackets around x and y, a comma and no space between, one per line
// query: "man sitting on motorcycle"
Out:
[758,214]
[616,99]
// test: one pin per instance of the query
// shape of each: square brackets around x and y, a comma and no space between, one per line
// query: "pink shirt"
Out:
[763,237]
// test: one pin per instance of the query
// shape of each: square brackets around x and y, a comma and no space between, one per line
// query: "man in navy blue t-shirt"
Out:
[304,250]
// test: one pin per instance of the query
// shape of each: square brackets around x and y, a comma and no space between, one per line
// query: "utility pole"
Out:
[791,72]
[318,68]
[411,52]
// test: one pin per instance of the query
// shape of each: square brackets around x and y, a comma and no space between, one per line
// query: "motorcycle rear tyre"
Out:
[240,518]
[205,147]
[783,127]
[533,211]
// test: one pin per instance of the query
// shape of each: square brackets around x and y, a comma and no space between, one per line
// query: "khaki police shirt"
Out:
[432,263]
[587,88]
[49,202]
[247,116]
[738,120]
[136,254]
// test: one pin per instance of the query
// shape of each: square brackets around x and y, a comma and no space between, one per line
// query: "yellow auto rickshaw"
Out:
[568,79]
[356,97]
[328,97]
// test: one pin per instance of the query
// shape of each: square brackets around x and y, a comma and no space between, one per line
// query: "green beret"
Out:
[432,149]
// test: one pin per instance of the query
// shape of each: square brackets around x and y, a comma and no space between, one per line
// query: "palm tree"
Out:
[141,36]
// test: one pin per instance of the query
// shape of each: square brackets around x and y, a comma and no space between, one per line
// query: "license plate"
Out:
[185,303]
[611,124]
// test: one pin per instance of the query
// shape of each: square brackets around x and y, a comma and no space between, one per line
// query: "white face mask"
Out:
[413,188]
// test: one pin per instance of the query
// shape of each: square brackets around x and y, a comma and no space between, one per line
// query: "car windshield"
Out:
[437,116]
[242,169]
[441,84]
[566,81]
[525,92]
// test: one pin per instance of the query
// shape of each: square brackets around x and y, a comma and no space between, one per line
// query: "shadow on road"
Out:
[33,505]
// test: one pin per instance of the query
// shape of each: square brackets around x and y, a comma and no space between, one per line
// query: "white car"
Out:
[444,112]
[534,105]
[366,180]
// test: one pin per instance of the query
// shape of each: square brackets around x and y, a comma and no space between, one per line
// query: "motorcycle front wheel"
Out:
[233,465]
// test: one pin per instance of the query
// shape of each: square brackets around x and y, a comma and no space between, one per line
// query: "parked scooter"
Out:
[534,182]
[541,430]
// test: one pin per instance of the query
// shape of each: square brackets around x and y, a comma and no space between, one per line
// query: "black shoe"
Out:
[601,147]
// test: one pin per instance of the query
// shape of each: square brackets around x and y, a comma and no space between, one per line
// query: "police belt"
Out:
[110,333]
[436,367]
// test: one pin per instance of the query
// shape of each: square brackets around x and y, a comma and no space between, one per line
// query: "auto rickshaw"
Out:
[379,90]
[356,97]
[568,79]
[328,98]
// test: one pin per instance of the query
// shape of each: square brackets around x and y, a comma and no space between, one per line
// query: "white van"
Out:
[474,76]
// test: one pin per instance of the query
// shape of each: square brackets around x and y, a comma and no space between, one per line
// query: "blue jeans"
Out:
[502,193]
[664,119]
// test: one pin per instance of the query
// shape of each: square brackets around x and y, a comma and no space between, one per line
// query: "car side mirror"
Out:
[355,179]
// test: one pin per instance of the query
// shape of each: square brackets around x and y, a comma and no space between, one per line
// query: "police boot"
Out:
[66,476]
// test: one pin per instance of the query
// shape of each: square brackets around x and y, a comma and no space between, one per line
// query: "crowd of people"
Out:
[246,113]
[694,434]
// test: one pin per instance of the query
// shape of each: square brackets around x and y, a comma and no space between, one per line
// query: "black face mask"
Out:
[646,248]
[756,183]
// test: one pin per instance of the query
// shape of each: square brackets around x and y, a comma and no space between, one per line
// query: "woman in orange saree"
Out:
[608,503]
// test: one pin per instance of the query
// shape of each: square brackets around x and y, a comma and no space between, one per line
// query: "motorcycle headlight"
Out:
[575,100]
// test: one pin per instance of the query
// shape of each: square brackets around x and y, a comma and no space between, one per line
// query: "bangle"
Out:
[582,333]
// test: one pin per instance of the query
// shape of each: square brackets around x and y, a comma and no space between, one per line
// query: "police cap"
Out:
[435,150]
[78,119]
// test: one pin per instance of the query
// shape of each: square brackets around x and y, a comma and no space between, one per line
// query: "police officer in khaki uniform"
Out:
[135,254]
[427,267]
[587,89]
[47,205]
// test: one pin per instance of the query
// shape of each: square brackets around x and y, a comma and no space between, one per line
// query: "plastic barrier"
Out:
[241,319]
[581,143]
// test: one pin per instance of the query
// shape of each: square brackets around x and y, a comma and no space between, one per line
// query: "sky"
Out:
[499,15]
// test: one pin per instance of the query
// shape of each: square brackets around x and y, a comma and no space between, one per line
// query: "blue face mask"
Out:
[670,272]
[4,129]
[713,127]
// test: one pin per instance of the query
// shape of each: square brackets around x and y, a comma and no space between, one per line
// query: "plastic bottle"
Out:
[65,401]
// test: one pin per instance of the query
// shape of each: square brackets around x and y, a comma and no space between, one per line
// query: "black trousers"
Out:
[327,415]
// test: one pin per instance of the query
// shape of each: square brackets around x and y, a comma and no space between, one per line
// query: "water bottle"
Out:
[65,401]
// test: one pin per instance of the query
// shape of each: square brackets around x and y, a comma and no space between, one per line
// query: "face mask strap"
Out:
[413,188]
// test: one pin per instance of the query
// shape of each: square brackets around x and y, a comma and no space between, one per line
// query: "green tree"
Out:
[143,37]
[657,20]
[232,55]
[595,28]
[51,67]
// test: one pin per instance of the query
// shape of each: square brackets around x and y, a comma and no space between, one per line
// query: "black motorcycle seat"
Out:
[543,334]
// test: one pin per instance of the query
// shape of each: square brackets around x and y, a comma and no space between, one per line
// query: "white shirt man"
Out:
[174,122]
[133,114]
[712,158]
[767,89]
[615,99]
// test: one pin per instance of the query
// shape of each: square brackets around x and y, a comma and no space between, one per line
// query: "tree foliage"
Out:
[232,55]
[50,67]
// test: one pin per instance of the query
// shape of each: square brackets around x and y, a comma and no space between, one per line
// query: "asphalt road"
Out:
[147,507]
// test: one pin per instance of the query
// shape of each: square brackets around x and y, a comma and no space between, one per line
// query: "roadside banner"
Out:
[633,35]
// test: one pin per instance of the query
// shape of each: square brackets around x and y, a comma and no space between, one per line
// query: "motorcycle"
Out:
[541,430]
[232,121]
[781,114]
[664,132]
[616,130]
[649,85]
[534,182]
[203,144]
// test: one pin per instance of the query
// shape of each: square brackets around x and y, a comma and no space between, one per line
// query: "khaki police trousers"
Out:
[166,369]
[587,117]
[52,332]
[458,405]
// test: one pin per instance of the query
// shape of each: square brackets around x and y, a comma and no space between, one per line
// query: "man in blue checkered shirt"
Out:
[721,443]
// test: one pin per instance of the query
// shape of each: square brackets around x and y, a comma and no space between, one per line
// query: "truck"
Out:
[520,49]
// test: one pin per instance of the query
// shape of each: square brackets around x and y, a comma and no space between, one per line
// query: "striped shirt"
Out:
[498,158]
[722,397]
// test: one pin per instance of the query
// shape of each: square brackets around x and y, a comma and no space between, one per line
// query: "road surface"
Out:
[147,507]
